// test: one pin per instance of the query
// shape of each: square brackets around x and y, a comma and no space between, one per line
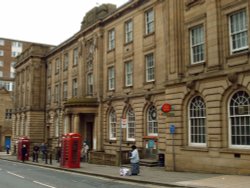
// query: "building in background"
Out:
[111,81]
[9,50]
[6,107]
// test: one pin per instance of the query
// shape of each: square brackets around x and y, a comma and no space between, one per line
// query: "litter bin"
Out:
[161,159]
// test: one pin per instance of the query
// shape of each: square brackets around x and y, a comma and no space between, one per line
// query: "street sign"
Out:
[172,129]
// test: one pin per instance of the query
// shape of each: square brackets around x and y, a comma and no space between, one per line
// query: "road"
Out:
[21,175]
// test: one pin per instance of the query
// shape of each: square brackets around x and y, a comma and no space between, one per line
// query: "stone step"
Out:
[149,162]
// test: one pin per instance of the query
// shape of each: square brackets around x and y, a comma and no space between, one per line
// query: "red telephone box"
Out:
[23,141]
[71,150]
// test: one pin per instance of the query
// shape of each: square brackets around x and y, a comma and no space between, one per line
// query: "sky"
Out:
[45,21]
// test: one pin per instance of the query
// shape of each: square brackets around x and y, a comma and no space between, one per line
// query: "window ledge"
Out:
[111,50]
[148,34]
[150,137]
[238,54]
[191,148]
[111,141]
[235,150]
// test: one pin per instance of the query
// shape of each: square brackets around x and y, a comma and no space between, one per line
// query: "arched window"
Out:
[197,122]
[239,120]
[152,124]
[112,125]
[131,125]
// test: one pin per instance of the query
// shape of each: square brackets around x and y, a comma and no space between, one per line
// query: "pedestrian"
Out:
[85,150]
[134,160]
[35,153]
[58,154]
[24,152]
[8,149]
[43,149]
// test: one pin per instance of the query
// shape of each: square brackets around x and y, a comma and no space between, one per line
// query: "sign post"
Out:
[172,132]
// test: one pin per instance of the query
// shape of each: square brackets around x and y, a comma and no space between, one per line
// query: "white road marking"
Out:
[43,184]
[15,174]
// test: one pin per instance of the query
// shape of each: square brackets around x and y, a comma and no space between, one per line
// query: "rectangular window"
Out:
[111,39]
[238,31]
[49,70]
[12,69]
[128,74]
[49,95]
[149,21]
[8,113]
[17,44]
[1,63]
[66,61]
[1,42]
[128,31]
[75,57]
[1,73]
[150,67]
[65,90]
[111,78]
[56,96]
[1,53]
[74,87]
[57,66]
[197,44]
[90,84]
[14,53]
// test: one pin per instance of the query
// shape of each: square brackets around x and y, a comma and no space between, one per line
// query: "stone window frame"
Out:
[112,125]
[194,104]
[232,50]
[128,74]
[200,43]
[152,121]
[149,23]
[238,111]
[128,31]
[111,78]
[111,39]
[131,125]
[152,54]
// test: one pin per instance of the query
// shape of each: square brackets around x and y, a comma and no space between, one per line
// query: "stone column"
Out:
[76,123]
[18,125]
[97,132]
[67,123]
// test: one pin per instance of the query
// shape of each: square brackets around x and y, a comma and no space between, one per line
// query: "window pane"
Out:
[239,119]
[197,112]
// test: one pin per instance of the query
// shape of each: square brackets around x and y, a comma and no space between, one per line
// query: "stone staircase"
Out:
[149,162]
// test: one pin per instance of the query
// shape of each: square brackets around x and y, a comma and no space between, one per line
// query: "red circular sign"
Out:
[166,107]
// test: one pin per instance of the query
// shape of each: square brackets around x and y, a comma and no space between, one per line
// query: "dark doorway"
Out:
[89,134]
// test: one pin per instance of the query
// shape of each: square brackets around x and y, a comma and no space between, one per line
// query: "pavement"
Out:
[150,175]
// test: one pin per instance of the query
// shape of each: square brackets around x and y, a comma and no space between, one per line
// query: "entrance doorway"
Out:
[7,141]
[89,134]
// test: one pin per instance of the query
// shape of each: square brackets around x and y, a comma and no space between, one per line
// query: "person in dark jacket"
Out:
[24,152]
[35,153]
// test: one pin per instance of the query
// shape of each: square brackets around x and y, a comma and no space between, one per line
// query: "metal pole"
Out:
[120,143]
[173,151]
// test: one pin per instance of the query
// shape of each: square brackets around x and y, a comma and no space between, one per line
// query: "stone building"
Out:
[6,107]
[125,63]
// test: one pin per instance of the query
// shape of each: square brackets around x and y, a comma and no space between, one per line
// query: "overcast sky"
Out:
[45,21]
